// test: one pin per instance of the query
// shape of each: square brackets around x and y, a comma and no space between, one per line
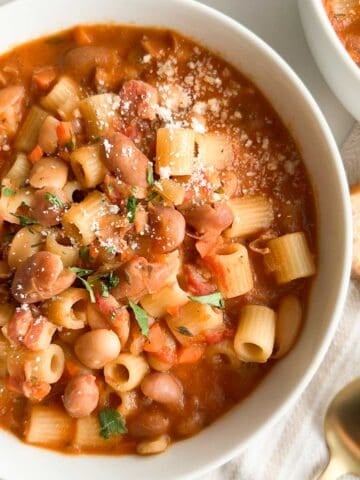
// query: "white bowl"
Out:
[24,20]
[338,68]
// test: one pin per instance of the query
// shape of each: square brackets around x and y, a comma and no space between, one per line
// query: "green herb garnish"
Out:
[111,250]
[34,245]
[6,191]
[214,299]
[150,174]
[184,331]
[25,220]
[141,318]
[111,423]
[104,289]
[8,237]
[81,272]
[54,200]
[131,208]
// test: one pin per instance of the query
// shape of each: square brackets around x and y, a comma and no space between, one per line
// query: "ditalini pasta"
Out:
[158,234]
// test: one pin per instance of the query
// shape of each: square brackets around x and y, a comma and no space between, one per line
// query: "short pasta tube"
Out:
[158,304]
[80,222]
[25,243]
[48,426]
[46,365]
[232,270]
[153,446]
[98,112]
[288,325]
[87,165]
[87,435]
[290,257]
[251,215]
[49,172]
[194,321]
[129,402]
[175,150]
[126,372]
[68,309]
[223,352]
[63,98]
[69,254]
[170,190]
[9,206]
[28,134]
[215,150]
[19,171]
[255,334]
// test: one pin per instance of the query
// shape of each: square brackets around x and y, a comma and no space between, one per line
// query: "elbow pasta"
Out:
[158,233]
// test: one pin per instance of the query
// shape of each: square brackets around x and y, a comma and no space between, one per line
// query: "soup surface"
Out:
[157,239]
[345,18]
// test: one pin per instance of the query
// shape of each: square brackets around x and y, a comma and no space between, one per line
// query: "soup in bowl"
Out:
[164,240]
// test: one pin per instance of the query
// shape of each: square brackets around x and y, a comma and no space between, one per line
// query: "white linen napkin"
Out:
[295,449]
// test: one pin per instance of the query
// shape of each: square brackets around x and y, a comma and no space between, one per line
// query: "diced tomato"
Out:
[166,354]
[191,353]
[36,390]
[156,339]
[35,155]
[44,77]
[196,283]
[93,251]
[107,305]
[214,337]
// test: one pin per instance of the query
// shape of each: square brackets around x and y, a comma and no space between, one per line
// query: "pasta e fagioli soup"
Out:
[158,239]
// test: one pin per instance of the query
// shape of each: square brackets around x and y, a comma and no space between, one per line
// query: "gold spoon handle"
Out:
[333,470]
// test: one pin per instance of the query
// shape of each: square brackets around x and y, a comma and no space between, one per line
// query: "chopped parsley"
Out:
[214,299]
[104,289]
[111,423]
[84,252]
[6,191]
[150,174]
[25,220]
[54,200]
[34,245]
[141,318]
[110,250]
[131,208]
[8,237]
[184,331]
[81,272]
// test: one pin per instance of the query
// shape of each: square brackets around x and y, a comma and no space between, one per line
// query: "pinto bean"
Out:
[82,61]
[139,98]
[126,160]
[48,211]
[96,348]
[208,219]
[167,228]
[149,424]
[40,277]
[81,396]
[49,173]
[163,388]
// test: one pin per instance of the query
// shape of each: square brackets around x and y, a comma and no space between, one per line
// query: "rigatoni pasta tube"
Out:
[126,372]
[194,320]
[214,150]
[255,334]
[68,309]
[170,190]
[157,304]
[251,215]
[25,243]
[69,254]
[48,426]
[290,257]
[155,445]
[63,98]
[19,171]
[175,148]
[9,206]
[288,324]
[46,365]
[87,165]
[80,222]
[232,270]
[87,435]
[28,134]
[223,352]
[98,112]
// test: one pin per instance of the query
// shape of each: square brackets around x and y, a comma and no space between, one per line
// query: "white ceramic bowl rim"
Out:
[291,77]
[334,39]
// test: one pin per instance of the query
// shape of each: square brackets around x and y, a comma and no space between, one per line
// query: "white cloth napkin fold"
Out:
[295,449]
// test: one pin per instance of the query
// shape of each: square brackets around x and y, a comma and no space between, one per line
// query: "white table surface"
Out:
[278,23]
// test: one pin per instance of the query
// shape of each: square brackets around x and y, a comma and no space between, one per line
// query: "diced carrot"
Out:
[35,155]
[93,251]
[44,77]
[156,339]
[191,353]
[81,36]
[64,132]
[72,368]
